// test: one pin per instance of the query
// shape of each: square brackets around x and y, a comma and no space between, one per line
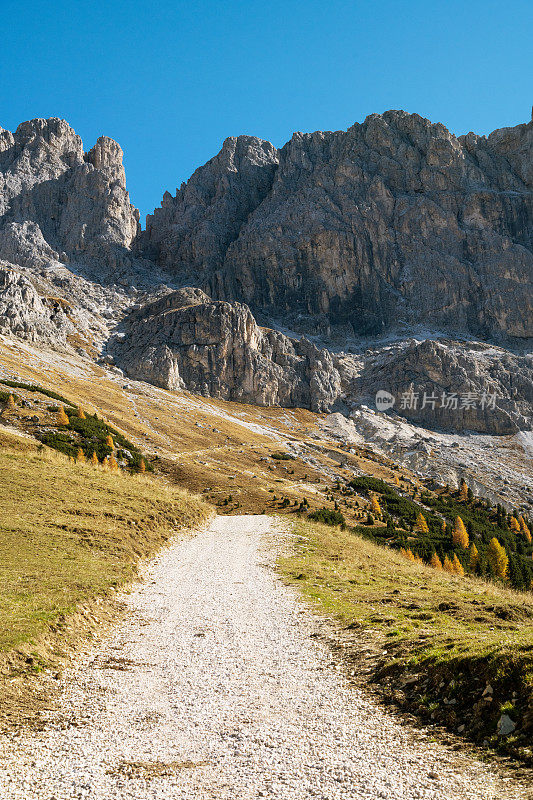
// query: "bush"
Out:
[280,456]
[328,517]
[91,435]
[32,387]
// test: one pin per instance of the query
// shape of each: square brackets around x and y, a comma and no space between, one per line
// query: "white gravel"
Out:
[221,680]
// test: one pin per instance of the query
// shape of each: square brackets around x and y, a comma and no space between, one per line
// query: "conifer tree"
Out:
[421,524]
[457,566]
[142,469]
[474,558]
[109,441]
[80,457]
[62,418]
[498,559]
[94,459]
[435,562]
[514,525]
[443,526]
[113,464]
[464,492]
[396,480]
[459,534]
[524,529]
[376,508]
[447,565]
[10,403]
[81,413]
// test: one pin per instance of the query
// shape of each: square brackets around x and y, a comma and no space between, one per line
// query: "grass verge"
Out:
[70,533]
[457,652]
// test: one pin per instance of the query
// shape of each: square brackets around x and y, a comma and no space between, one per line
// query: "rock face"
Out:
[25,314]
[467,386]
[392,225]
[393,222]
[190,234]
[186,340]
[59,204]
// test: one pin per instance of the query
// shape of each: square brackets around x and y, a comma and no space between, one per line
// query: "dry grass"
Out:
[70,532]
[203,443]
[433,614]
[448,636]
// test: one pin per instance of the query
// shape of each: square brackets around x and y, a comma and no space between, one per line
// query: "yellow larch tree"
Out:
[109,441]
[421,525]
[524,529]
[113,464]
[459,533]
[498,559]
[10,405]
[94,459]
[435,562]
[447,565]
[62,418]
[142,466]
[514,525]
[80,412]
[407,553]
[396,480]
[80,457]
[463,494]
[375,506]
[474,558]
[457,566]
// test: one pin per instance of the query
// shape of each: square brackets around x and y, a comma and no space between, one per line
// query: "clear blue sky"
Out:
[169,80]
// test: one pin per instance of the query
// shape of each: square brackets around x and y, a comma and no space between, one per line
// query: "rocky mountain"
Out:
[404,252]
[214,348]
[393,222]
[60,204]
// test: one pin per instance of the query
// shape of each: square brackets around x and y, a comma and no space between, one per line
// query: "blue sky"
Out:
[170,80]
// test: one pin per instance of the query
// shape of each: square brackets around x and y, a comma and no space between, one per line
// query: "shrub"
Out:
[280,456]
[32,387]
[328,517]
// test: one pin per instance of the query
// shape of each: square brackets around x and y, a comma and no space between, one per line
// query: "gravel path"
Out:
[214,690]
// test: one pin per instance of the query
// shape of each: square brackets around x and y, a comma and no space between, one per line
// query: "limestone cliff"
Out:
[187,341]
[394,222]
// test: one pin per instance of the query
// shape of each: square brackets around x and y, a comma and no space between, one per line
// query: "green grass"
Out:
[69,532]
[434,626]
[32,387]
[483,522]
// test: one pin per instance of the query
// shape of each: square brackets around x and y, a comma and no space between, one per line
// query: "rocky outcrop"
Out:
[27,315]
[391,223]
[59,204]
[215,348]
[190,234]
[453,386]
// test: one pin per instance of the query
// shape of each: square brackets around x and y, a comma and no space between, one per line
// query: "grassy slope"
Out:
[429,627]
[69,532]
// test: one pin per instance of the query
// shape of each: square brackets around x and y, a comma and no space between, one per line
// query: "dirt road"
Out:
[215,689]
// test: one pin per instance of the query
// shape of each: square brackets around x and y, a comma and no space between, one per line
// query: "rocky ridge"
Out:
[392,221]
[215,348]
[367,231]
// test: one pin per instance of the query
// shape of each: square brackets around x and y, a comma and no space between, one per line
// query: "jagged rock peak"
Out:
[192,231]
[105,153]
[394,221]
[54,132]
[58,203]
